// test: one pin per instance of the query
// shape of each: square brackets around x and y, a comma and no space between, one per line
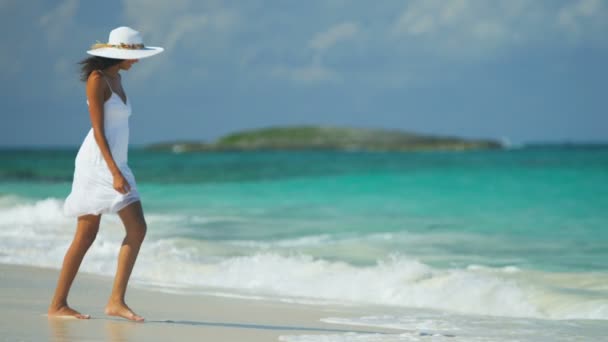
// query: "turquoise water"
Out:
[546,208]
[528,226]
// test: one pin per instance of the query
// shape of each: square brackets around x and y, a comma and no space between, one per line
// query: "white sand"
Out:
[26,291]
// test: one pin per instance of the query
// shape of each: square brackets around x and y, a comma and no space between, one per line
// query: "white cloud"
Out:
[325,40]
[583,15]
[313,73]
[170,23]
[57,22]
[467,28]
[430,16]
[194,27]
[63,38]
[320,44]
[277,41]
[464,27]
[187,24]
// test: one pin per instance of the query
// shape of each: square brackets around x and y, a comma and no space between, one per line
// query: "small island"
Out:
[298,138]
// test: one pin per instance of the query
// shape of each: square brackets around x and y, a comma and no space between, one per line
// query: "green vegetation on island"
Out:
[327,138]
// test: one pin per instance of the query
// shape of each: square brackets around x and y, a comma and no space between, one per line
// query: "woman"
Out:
[103,182]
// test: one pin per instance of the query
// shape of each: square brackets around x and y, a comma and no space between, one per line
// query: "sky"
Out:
[516,70]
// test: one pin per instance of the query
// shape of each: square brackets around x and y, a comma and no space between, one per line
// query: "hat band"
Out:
[118,46]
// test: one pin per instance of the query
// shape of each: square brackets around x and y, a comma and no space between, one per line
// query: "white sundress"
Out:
[92,187]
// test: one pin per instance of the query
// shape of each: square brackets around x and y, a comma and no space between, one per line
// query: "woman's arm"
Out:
[96,90]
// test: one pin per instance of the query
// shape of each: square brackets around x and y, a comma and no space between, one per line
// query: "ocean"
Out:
[508,245]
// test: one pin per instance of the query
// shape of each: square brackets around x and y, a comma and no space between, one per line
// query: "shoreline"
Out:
[26,292]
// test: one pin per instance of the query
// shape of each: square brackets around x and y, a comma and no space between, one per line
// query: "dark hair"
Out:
[95,63]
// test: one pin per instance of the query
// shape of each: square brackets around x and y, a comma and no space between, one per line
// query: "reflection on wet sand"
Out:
[71,329]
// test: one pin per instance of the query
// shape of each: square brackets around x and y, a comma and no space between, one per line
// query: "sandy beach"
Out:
[25,292]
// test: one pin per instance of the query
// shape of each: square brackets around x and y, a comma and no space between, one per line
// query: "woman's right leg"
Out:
[86,231]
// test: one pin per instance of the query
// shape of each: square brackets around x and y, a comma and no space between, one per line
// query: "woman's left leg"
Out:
[132,217]
[86,231]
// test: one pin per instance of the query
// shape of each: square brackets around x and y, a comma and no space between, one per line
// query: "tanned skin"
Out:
[87,227]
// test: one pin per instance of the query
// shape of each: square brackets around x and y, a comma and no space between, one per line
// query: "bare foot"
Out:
[66,311]
[122,310]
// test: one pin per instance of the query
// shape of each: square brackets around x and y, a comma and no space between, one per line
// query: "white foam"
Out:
[359,337]
[396,281]
[305,241]
[9,200]
[428,325]
[416,321]
[36,233]
[536,333]
[47,212]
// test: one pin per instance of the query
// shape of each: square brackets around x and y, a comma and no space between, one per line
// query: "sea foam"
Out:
[423,325]
[36,233]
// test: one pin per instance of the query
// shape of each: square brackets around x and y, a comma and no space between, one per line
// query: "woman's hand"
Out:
[121,184]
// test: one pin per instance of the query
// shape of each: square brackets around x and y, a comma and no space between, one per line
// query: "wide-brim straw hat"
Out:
[124,43]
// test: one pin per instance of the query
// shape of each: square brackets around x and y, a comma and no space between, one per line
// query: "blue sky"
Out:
[526,70]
